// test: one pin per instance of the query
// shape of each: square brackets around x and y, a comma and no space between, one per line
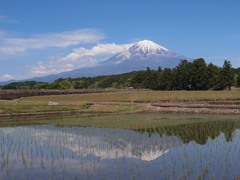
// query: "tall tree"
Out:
[226,77]
[79,84]
[238,80]
[137,80]
[213,74]
[65,84]
[166,79]
[199,75]
[151,79]
[182,76]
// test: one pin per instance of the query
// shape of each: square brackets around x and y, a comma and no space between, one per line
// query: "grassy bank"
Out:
[135,96]
[132,121]
[111,102]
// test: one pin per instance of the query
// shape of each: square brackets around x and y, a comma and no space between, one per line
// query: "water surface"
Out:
[208,150]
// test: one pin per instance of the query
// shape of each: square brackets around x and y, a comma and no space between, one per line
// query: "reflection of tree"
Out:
[198,132]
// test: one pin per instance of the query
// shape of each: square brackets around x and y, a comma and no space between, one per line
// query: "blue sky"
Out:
[43,37]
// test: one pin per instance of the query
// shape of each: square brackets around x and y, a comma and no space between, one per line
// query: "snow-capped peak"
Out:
[145,54]
[143,50]
[148,46]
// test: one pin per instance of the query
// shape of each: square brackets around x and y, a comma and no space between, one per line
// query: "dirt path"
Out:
[194,107]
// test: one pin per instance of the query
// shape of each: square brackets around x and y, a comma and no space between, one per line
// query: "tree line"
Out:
[188,75]
[195,75]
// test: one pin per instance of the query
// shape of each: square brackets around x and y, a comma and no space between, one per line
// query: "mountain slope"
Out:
[143,50]
[139,56]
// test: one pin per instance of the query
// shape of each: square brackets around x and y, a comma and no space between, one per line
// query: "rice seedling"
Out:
[140,146]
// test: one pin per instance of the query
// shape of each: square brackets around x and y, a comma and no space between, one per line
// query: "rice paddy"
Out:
[121,135]
[128,96]
[123,146]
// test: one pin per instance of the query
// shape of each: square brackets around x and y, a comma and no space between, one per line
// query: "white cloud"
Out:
[6,77]
[12,45]
[41,69]
[78,58]
[100,51]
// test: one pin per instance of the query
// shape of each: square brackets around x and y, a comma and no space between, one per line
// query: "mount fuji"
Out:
[139,56]
[145,51]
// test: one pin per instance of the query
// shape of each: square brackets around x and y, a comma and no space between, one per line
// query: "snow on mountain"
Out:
[139,56]
[123,146]
[143,50]
[147,48]
[148,54]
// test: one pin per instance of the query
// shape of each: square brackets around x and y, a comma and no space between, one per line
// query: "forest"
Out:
[188,75]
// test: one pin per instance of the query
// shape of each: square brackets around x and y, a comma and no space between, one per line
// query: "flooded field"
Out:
[199,148]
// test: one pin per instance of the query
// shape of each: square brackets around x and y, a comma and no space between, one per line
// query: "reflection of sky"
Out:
[109,143]
[52,152]
[49,149]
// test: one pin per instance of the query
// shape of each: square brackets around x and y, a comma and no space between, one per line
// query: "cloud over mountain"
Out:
[78,58]
[133,57]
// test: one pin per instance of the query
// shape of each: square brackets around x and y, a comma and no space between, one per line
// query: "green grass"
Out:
[144,120]
[82,102]
[187,126]
[129,120]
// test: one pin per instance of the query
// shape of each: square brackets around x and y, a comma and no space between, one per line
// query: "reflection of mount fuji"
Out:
[145,144]
[114,143]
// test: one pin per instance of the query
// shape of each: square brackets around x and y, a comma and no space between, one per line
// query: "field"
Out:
[127,101]
[121,135]
[135,96]
[125,146]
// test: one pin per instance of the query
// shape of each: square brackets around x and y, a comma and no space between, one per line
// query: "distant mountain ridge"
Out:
[139,56]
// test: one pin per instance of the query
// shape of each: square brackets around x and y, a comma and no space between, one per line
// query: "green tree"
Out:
[199,75]
[79,84]
[40,85]
[226,76]
[159,69]
[65,84]
[166,79]
[213,74]
[182,79]
[137,79]
[95,85]
[238,80]
[115,85]
[127,83]
[151,79]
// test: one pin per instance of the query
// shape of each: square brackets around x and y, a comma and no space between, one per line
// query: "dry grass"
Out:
[122,101]
[133,96]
